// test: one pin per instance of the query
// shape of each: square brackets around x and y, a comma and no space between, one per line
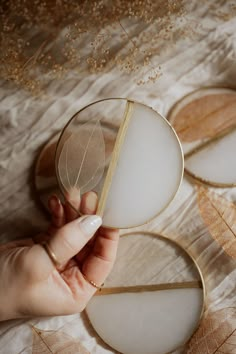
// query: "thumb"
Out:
[65,243]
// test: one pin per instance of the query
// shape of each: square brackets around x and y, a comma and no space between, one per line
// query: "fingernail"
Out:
[89,224]
[53,203]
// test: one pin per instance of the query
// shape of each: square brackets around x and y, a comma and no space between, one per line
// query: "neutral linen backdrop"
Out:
[28,122]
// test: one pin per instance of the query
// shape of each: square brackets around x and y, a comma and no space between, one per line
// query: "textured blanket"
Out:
[27,122]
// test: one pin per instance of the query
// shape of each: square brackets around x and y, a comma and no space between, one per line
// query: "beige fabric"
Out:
[28,122]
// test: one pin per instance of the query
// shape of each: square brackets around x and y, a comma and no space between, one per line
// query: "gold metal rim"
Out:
[164,119]
[170,115]
[176,243]
[115,156]
[208,182]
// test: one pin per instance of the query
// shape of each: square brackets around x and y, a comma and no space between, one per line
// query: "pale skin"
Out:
[31,284]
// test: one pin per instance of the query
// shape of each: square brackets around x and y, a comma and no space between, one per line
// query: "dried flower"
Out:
[41,40]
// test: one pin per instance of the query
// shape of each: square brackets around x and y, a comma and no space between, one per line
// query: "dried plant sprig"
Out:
[45,39]
[47,36]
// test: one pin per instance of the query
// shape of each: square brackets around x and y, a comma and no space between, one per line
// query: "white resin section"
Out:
[148,172]
[216,162]
[150,322]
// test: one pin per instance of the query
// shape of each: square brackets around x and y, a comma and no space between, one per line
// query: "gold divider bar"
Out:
[210,141]
[115,156]
[153,287]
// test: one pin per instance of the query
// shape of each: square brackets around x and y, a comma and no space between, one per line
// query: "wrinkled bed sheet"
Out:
[28,122]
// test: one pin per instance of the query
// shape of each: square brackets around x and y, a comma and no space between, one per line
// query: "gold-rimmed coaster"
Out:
[205,121]
[125,151]
[153,300]
[136,172]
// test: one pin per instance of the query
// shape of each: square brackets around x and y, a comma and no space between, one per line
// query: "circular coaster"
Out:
[205,121]
[44,175]
[136,170]
[153,299]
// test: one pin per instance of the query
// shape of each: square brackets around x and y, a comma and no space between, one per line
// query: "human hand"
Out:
[31,284]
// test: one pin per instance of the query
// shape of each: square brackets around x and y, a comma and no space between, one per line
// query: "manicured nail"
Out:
[89,224]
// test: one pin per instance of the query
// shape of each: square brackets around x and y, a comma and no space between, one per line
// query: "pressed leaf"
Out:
[82,159]
[205,117]
[216,334]
[229,346]
[219,215]
[55,342]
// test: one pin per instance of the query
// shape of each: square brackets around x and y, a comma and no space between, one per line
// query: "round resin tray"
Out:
[153,300]
[205,121]
[124,151]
